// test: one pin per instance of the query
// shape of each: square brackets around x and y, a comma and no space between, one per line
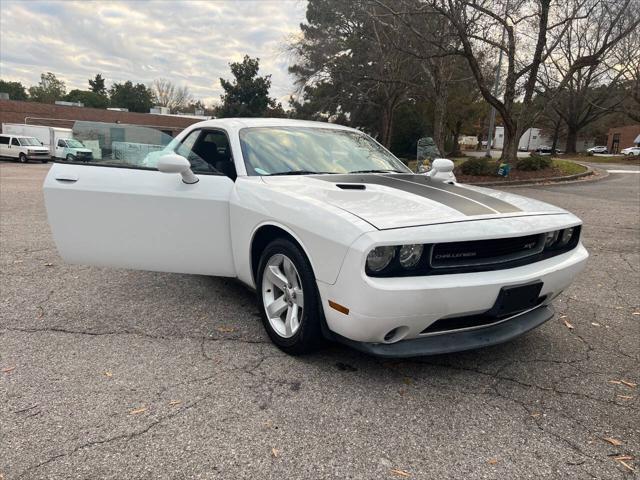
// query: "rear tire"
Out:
[22,158]
[288,298]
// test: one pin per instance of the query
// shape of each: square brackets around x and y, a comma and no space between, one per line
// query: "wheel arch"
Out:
[263,235]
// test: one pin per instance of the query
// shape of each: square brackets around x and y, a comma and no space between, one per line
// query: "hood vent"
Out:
[351,186]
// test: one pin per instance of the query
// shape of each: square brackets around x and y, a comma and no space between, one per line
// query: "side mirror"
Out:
[174,163]
[442,170]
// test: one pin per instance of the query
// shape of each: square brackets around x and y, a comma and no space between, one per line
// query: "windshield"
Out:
[73,143]
[29,142]
[283,150]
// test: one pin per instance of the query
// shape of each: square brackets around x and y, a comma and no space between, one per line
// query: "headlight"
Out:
[380,257]
[565,236]
[410,255]
[550,238]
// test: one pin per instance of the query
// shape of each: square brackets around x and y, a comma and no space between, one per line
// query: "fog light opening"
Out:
[396,334]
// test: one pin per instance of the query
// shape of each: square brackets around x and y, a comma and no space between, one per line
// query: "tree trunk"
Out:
[556,134]
[386,125]
[439,118]
[455,149]
[510,144]
[572,139]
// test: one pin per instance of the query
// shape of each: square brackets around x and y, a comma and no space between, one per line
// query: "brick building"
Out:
[14,111]
[622,137]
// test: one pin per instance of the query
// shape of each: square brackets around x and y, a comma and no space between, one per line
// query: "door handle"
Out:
[66,178]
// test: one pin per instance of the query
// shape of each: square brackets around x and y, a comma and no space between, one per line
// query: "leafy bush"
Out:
[534,162]
[479,166]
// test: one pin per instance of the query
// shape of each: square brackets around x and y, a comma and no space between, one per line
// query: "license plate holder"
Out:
[515,299]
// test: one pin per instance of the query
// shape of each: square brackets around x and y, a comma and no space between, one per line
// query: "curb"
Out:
[597,173]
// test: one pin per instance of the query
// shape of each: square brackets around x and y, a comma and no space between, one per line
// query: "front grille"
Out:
[471,321]
[485,252]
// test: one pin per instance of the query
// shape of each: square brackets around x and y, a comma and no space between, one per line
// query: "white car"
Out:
[630,151]
[23,148]
[338,238]
[598,149]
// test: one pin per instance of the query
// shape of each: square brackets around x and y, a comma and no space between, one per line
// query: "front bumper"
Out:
[38,156]
[507,329]
[411,304]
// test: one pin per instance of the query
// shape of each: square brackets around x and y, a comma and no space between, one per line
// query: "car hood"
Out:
[407,200]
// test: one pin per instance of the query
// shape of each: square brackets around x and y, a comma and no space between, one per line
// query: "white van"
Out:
[23,148]
[60,141]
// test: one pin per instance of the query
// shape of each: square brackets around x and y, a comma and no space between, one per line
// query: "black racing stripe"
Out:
[495,203]
[463,205]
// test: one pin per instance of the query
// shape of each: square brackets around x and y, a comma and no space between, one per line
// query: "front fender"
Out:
[324,232]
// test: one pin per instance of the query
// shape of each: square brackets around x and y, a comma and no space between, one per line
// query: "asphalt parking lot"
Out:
[125,374]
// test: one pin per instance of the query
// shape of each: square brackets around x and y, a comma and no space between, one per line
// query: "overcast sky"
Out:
[188,42]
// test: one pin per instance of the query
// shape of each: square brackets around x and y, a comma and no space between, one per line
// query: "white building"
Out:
[534,138]
[531,139]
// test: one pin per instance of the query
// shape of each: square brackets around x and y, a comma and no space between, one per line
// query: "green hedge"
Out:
[479,166]
[534,162]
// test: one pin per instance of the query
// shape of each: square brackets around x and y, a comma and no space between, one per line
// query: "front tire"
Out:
[22,158]
[288,298]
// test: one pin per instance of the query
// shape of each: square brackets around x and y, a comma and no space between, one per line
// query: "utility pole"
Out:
[496,85]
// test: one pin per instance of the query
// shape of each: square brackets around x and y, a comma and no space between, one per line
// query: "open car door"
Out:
[118,210]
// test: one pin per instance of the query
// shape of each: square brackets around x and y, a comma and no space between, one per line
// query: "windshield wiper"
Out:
[299,172]
[377,171]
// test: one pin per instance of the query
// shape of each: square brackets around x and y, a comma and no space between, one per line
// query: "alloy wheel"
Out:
[282,295]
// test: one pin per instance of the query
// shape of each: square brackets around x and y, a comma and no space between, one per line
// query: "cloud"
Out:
[189,42]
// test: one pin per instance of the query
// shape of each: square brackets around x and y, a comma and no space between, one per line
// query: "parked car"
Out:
[60,141]
[22,148]
[598,149]
[630,151]
[336,235]
[546,150]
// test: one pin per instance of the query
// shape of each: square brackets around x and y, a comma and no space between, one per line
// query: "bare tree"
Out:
[169,95]
[427,38]
[533,31]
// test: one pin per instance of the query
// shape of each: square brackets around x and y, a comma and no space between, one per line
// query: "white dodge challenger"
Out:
[339,239]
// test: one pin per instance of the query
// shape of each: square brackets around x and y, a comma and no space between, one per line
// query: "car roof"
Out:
[239,122]
[16,136]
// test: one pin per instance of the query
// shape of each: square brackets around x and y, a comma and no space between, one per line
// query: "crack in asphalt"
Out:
[124,436]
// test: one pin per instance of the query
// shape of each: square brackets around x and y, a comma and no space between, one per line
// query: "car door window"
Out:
[4,140]
[61,143]
[14,141]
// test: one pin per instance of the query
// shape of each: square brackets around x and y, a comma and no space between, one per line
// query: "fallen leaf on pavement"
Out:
[8,369]
[275,452]
[635,313]
[617,382]
[492,461]
[108,374]
[407,381]
[536,414]
[595,324]
[626,465]
[613,441]
[400,473]
[569,326]
[623,457]
[626,397]
[138,411]
[629,384]
[223,329]
[175,402]
[562,316]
